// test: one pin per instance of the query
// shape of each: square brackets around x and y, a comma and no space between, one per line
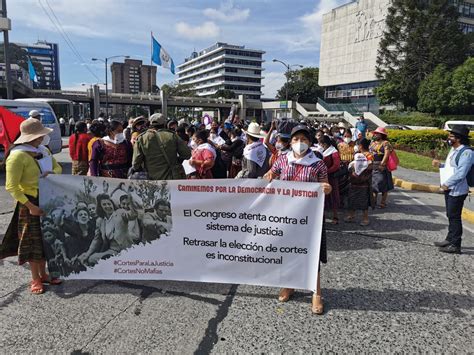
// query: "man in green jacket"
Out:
[160,151]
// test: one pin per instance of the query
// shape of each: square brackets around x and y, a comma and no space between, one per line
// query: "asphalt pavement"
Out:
[386,287]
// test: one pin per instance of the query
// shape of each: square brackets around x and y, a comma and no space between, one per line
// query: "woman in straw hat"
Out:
[381,178]
[255,161]
[26,163]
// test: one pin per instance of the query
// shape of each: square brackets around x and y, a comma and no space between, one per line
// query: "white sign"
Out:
[224,231]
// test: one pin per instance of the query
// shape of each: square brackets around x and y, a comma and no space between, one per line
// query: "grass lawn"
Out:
[415,161]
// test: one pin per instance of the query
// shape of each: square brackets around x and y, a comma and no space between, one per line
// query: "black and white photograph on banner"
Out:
[101,219]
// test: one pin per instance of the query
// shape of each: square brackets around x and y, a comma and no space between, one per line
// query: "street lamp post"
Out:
[106,79]
[288,69]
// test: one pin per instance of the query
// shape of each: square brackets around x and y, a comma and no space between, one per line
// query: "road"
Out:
[386,289]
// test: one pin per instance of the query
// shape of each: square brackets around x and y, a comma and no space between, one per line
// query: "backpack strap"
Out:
[458,156]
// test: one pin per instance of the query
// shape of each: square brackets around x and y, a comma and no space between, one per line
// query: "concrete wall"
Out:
[349,42]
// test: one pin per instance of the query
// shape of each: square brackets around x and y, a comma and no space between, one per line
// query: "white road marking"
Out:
[436,212]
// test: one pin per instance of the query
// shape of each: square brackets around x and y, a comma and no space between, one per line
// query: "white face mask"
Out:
[46,140]
[194,145]
[280,146]
[356,149]
[299,148]
[347,140]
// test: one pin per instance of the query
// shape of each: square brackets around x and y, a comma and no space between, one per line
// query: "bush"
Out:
[426,142]
[411,119]
[421,119]
[422,140]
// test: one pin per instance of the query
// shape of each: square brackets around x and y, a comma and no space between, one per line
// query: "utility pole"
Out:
[5,26]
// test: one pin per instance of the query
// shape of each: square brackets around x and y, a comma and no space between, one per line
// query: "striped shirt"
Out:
[316,172]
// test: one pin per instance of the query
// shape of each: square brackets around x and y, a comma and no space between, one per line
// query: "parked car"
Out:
[450,124]
[396,126]
[48,118]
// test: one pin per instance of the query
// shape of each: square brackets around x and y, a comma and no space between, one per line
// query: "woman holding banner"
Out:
[301,164]
[26,163]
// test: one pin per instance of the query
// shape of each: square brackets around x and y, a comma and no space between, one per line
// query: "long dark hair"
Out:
[328,141]
[112,126]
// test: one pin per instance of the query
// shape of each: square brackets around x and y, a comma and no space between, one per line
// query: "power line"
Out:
[65,36]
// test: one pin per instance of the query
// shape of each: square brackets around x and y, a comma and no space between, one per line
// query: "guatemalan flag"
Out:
[161,57]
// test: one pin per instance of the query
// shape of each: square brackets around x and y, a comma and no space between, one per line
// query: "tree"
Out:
[462,88]
[180,90]
[435,91]
[20,56]
[303,86]
[226,94]
[420,35]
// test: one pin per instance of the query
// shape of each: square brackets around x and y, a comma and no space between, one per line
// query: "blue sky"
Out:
[286,30]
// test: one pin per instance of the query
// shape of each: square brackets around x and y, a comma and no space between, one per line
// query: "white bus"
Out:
[63,108]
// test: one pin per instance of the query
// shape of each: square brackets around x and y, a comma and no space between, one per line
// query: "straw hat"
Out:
[31,129]
[254,130]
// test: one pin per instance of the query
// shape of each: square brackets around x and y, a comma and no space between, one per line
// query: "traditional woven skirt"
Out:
[23,236]
[381,180]
[334,198]
[359,197]
[80,167]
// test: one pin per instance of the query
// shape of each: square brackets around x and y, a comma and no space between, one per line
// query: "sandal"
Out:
[349,219]
[364,223]
[54,281]
[285,294]
[382,206]
[335,221]
[36,287]
[317,306]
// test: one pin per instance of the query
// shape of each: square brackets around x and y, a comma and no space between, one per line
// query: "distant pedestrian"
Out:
[72,124]
[78,149]
[62,126]
[360,127]
[456,188]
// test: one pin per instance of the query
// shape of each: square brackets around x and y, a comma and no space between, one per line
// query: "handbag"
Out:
[393,161]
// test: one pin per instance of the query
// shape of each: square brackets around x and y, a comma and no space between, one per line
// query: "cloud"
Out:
[207,30]
[227,12]
[310,39]
[273,82]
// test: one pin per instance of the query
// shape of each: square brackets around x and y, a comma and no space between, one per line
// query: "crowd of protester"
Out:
[155,148]
[352,171]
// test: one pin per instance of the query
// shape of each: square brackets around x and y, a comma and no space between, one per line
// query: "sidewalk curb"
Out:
[467,215]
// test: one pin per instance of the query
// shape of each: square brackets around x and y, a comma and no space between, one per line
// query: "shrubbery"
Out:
[426,142]
[421,119]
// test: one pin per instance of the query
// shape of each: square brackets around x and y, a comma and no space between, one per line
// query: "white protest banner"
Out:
[226,231]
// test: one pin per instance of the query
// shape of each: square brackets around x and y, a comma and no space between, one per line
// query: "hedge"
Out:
[422,141]
[421,119]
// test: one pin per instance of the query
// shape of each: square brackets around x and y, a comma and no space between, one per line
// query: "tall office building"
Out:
[224,67]
[132,77]
[350,40]
[47,54]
